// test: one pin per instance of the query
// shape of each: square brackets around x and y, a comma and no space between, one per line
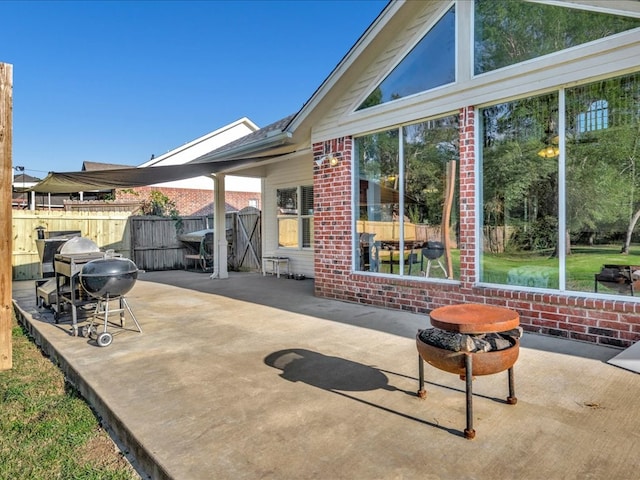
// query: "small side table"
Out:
[275,263]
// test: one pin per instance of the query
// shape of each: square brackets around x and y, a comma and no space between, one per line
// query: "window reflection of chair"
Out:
[389,254]
[433,251]
[415,257]
[623,278]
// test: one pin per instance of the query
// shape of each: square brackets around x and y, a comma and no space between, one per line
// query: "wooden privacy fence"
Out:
[151,242]
[109,230]
[155,244]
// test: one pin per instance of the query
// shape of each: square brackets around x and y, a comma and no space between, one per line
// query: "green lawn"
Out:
[47,431]
[529,270]
[581,266]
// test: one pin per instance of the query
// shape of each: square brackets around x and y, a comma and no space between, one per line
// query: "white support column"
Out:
[220,228]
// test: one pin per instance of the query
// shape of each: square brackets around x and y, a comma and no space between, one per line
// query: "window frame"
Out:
[299,216]
[355,205]
[598,123]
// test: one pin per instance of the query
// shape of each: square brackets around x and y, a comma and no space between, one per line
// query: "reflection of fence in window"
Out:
[307,232]
[295,225]
[288,232]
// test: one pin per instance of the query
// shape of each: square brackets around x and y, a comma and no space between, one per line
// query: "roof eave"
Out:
[361,45]
[273,140]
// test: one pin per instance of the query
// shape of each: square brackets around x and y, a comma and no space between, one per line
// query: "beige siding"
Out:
[287,174]
[578,64]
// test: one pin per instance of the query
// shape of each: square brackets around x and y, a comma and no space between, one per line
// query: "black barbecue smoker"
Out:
[77,275]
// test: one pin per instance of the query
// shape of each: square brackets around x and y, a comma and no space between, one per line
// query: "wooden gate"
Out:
[247,240]
[155,244]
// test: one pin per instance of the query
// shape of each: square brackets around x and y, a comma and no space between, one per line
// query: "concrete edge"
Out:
[142,460]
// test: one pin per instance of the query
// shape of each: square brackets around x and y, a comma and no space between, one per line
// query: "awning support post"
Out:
[220,228]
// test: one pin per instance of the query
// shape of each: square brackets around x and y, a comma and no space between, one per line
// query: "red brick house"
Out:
[466,151]
[461,152]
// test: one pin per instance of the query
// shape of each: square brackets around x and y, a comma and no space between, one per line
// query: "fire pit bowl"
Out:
[484,363]
[108,277]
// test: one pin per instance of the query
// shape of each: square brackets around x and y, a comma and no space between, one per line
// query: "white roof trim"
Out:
[244,120]
[360,46]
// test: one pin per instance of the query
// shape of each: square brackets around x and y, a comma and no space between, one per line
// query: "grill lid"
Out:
[78,245]
[108,277]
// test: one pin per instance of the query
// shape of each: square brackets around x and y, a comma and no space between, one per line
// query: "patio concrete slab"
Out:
[253,377]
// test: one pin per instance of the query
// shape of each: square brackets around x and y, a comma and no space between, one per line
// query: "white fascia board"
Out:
[615,7]
[206,143]
[273,140]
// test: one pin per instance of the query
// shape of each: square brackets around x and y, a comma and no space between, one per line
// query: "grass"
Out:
[581,266]
[47,431]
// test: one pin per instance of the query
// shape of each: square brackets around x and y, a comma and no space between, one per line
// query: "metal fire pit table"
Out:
[471,319]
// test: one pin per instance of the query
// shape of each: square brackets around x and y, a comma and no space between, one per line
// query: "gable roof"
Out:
[258,142]
[91,166]
[211,141]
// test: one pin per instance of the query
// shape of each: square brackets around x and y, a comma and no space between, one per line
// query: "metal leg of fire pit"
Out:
[469,432]
[511,399]
[422,393]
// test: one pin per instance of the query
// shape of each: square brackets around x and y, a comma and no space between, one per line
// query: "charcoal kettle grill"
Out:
[105,280]
[433,251]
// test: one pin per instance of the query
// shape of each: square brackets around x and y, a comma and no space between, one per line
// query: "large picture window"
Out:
[513,31]
[295,217]
[561,189]
[430,64]
[406,200]
[519,153]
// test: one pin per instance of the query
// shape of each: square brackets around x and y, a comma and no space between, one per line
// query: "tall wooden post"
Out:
[446,215]
[6,180]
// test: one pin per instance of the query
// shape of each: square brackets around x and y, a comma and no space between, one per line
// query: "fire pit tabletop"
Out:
[474,318]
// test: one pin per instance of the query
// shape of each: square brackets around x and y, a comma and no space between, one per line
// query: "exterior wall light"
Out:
[332,159]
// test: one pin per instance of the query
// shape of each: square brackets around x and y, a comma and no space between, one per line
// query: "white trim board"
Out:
[628,359]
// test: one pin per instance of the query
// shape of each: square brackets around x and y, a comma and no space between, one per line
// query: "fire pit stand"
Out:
[471,319]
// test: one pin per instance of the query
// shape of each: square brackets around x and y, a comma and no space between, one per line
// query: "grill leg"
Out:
[121,312]
[469,432]
[106,313]
[126,304]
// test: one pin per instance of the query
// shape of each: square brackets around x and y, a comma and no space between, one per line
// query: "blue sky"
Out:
[118,81]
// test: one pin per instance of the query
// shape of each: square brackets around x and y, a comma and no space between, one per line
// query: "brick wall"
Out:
[609,322]
[332,218]
[190,201]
